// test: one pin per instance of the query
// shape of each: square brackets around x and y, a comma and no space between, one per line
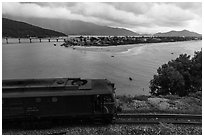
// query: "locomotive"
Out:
[58,98]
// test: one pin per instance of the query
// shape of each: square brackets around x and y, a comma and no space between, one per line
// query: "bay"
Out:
[138,61]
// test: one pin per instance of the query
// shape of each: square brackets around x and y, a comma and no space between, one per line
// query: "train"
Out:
[58,98]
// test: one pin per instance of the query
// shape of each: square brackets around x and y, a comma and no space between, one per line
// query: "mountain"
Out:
[11,28]
[182,33]
[76,27]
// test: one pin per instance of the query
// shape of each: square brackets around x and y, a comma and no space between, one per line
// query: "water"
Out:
[43,60]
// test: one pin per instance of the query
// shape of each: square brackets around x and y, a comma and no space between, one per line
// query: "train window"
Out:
[98,96]
[54,99]
[38,100]
[108,99]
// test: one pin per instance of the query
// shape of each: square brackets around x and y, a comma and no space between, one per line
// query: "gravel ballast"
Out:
[114,129]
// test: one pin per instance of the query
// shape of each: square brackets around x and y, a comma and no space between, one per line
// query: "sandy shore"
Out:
[119,48]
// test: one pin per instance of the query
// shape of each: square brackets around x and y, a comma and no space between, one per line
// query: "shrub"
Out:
[178,77]
[125,99]
[141,97]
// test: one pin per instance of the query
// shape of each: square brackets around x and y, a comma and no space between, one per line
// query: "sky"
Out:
[147,17]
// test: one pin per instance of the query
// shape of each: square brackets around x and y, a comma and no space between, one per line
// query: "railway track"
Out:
[159,118]
[186,119]
[149,119]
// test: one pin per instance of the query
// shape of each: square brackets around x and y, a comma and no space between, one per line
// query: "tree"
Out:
[196,71]
[180,76]
[168,81]
[183,65]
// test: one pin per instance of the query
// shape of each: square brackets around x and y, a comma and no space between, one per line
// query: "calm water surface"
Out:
[43,60]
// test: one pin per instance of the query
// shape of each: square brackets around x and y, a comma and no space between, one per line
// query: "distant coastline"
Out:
[125,40]
[115,49]
[120,47]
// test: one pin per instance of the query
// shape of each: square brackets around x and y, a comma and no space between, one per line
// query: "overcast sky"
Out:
[139,17]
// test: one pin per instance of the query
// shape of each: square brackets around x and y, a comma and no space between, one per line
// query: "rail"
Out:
[189,119]
[192,116]
[152,119]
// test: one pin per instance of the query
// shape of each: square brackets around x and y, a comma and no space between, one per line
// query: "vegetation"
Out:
[171,104]
[178,77]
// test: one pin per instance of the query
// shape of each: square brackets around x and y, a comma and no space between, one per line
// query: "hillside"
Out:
[11,28]
[75,27]
[182,33]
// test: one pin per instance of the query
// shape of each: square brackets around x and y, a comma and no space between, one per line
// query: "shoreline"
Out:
[110,48]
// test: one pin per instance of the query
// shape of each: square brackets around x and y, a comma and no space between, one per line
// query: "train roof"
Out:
[14,88]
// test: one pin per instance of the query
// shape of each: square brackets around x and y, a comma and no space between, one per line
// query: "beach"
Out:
[115,49]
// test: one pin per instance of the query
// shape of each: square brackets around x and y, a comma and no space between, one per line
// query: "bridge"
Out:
[31,40]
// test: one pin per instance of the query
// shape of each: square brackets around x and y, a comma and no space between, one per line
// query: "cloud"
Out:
[136,8]
[140,17]
[169,15]
[108,12]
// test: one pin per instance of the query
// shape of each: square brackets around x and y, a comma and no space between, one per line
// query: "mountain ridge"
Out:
[16,29]
[182,33]
[76,27]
